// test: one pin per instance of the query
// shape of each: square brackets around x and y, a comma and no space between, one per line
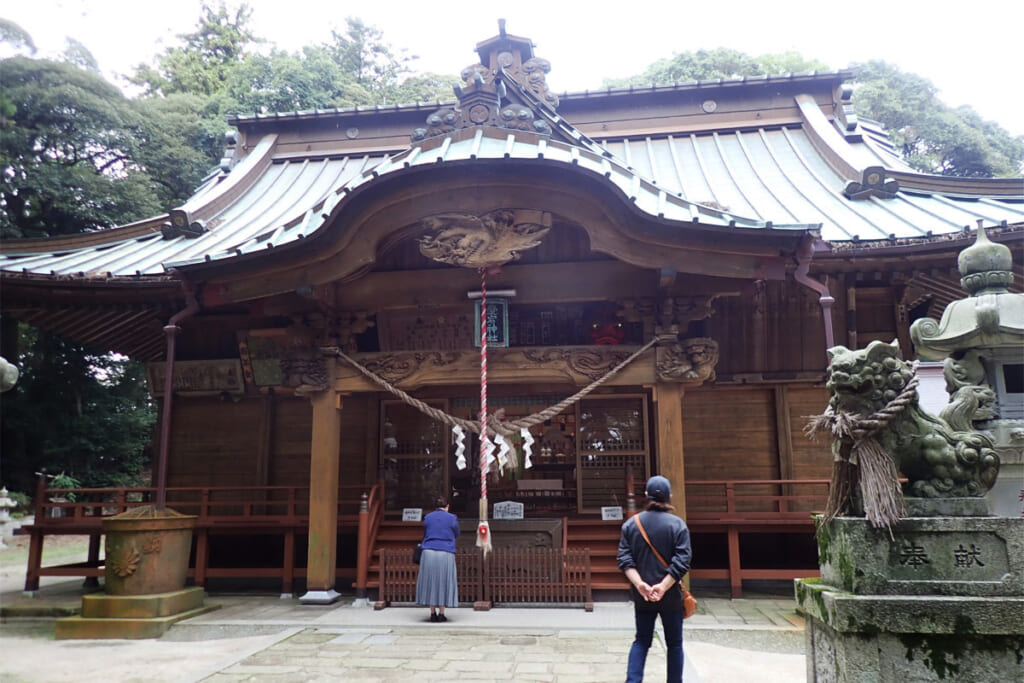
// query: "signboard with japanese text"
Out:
[611,513]
[496,321]
[508,510]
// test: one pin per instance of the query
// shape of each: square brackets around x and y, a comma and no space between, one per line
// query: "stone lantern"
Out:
[981,340]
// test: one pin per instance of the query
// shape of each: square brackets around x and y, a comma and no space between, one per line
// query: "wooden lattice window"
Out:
[613,443]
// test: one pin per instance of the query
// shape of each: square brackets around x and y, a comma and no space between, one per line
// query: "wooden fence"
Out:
[507,576]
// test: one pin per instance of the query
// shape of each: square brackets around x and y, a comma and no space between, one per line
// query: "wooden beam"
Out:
[323,495]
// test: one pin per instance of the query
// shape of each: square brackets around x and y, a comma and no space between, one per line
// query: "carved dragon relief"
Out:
[690,360]
[591,363]
[482,241]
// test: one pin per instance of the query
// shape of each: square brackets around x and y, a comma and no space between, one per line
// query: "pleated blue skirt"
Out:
[436,584]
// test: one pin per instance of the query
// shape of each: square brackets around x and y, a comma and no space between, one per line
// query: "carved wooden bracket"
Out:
[304,370]
[691,361]
[482,241]
[675,313]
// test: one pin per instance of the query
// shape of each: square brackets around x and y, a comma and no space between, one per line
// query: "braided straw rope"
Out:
[494,425]
[862,462]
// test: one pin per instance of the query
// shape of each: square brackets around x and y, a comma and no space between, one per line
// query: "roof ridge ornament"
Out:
[873,183]
[503,59]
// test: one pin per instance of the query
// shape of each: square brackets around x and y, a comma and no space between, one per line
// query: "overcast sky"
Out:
[972,51]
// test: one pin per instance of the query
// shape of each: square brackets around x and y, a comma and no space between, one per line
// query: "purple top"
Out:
[440,529]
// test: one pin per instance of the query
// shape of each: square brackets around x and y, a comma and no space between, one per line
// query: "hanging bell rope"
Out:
[483,530]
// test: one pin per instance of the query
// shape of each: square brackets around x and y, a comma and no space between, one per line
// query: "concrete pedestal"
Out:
[942,599]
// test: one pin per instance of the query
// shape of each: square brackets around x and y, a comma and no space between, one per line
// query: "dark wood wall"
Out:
[264,440]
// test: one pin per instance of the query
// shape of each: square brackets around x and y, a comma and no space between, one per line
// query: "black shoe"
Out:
[435,617]
[441,617]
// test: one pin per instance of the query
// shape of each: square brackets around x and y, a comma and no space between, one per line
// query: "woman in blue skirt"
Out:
[436,585]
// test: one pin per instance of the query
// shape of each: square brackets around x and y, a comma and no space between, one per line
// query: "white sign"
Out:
[508,509]
[611,513]
[412,514]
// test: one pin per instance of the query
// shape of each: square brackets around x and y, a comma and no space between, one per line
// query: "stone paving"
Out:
[268,639]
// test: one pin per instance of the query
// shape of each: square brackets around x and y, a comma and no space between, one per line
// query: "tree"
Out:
[68,143]
[70,147]
[363,55]
[221,41]
[721,62]
[88,415]
[933,137]
[181,137]
[283,81]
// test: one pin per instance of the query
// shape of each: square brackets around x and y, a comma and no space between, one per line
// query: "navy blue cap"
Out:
[658,489]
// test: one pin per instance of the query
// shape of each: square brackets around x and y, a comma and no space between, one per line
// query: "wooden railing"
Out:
[506,576]
[220,510]
[774,500]
[753,506]
[730,507]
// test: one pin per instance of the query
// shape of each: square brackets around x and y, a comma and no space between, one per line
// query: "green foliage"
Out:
[14,35]
[89,416]
[22,503]
[68,141]
[721,62]
[934,137]
[202,65]
[284,81]
[181,137]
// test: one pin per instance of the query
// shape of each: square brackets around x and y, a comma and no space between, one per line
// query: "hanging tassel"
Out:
[483,537]
[460,447]
[527,447]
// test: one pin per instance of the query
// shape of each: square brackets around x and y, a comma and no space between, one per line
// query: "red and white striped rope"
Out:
[483,383]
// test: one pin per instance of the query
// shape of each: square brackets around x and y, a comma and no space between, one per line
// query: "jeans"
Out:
[672,622]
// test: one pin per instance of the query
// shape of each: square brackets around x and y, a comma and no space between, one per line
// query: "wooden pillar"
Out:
[668,399]
[323,495]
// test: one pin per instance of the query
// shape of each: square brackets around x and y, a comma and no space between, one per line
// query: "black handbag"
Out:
[417,553]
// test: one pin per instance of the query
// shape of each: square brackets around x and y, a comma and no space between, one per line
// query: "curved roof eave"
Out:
[483,144]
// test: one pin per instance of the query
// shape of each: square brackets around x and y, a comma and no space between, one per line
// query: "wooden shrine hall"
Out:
[674,259]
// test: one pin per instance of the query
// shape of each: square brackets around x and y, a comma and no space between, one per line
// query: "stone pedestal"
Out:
[132,616]
[942,599]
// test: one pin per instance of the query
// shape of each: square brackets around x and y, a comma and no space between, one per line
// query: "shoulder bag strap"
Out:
[643,533]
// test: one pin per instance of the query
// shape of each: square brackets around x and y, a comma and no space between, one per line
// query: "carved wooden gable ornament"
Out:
[507,89]
[493,239]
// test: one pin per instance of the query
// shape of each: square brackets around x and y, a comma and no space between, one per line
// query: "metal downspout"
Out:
[804,256]
[171,330]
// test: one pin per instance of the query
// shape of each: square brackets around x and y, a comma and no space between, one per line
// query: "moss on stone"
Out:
[942,653]
[824,537]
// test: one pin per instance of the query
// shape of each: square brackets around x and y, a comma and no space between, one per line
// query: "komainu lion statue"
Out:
[880,431]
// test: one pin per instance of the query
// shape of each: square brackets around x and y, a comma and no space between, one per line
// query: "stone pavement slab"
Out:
[266,638]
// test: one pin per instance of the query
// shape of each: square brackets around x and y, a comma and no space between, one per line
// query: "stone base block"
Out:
[128,629]
[132,616]
[141,606]
[895,639]
[979,556]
